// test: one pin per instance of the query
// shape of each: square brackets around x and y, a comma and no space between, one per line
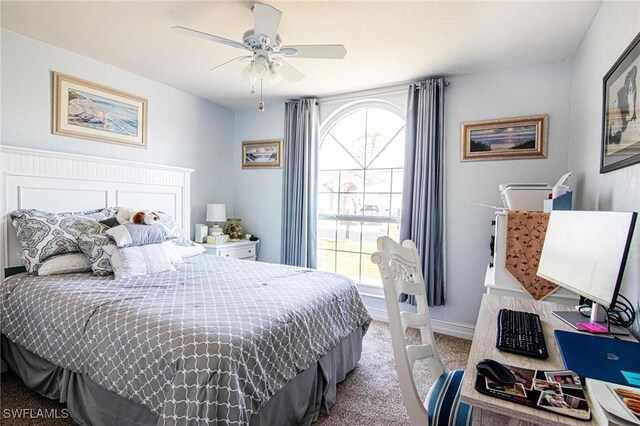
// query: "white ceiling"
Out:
[387,42]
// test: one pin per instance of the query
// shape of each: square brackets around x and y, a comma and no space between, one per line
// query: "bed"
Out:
[220,340]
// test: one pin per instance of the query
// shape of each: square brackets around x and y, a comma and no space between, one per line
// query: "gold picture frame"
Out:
[504,139]
[266,154]
[82,109]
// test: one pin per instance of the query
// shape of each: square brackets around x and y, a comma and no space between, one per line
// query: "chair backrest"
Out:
[401,272]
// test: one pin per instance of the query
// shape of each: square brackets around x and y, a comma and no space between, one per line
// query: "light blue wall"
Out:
[257,193]
[183,130]
[541,89]
[532,90]
[613,28]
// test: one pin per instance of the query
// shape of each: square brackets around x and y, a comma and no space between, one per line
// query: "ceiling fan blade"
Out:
[321,51]
[288,72]
[266,20]
[240,58]
[209,37]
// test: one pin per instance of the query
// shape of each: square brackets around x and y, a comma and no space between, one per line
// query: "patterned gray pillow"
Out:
[43,234]
[93,245]
[174,228]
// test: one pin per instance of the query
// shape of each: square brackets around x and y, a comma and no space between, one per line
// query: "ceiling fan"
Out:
[265,50]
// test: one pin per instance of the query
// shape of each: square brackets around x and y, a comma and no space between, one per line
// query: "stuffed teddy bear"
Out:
[140,217]
[144,217]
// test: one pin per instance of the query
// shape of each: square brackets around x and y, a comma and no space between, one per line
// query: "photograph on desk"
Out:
[568,379]
[523,376]
[630,399]
[560,392]
[516,389]
[546,386]
[567,405]
[614,403]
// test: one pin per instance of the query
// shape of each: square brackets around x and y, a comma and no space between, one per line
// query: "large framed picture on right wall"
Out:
[621,111]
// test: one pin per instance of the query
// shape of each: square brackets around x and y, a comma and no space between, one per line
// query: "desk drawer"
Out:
[239,253]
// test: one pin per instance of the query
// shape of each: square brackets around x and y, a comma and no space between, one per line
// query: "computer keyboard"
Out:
[521,333]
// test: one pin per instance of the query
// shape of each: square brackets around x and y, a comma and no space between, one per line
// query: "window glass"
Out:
[392,155]
[361,158]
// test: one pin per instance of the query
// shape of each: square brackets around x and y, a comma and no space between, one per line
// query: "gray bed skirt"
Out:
[310,394]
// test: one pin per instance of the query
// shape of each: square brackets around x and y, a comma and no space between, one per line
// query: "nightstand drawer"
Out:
[245,250]
[239,253]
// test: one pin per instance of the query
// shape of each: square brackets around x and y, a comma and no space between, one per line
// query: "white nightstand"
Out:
[245,250]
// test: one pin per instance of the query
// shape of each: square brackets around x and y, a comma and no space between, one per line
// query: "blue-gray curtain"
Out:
[422,219]
[300,176]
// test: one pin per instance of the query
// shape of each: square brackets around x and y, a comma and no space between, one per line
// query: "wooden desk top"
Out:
[484,346]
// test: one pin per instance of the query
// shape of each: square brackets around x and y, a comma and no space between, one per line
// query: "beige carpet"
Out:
[368,396]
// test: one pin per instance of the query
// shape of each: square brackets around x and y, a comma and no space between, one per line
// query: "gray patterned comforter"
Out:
[211,342]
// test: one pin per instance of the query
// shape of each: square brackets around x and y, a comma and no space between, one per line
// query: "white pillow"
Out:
[65,264]
[188,251]
[173,252]
[139,260]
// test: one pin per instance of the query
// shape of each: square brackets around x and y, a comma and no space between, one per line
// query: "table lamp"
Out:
[216,213]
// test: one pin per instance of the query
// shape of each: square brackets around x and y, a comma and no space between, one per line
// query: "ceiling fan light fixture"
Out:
[248,74]
[266,53]
[274,75]
[260,66]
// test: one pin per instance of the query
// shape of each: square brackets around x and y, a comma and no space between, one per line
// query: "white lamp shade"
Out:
[216,213]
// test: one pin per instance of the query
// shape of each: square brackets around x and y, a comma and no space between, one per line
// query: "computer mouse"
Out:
[495,371]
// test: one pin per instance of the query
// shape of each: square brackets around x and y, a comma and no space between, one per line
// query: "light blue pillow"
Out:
[131,234]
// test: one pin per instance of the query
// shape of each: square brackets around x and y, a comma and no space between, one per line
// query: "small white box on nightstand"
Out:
[201,232]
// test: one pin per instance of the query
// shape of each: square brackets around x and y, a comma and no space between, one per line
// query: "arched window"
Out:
[361,158]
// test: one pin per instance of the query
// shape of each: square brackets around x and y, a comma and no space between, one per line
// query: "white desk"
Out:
[493,411]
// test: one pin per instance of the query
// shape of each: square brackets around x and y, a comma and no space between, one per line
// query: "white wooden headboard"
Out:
[53,181]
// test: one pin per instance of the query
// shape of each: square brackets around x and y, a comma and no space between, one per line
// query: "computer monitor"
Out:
[586,252]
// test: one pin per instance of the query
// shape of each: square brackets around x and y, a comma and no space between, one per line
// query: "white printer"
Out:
[527,196]
[524,196]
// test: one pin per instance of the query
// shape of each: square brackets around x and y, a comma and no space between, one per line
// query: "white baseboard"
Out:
[462,331]
[378,314]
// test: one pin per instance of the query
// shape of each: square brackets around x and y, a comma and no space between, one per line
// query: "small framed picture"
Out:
[262,154]
[82,109]
[503,139]
[621,111]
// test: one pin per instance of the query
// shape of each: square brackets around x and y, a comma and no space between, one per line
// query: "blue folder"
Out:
[602,358]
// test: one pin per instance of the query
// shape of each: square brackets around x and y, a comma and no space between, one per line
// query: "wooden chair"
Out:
[400,270]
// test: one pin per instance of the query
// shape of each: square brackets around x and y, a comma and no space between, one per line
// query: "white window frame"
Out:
[365,289]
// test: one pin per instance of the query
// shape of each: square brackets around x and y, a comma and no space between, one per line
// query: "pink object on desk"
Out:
[592,327]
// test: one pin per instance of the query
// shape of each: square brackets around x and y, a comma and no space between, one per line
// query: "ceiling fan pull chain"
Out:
[261,103]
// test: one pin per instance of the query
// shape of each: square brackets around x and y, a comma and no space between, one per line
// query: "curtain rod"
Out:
[363,94]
